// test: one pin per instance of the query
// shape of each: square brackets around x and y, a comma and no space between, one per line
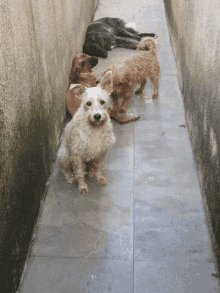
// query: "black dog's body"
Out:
[106,33]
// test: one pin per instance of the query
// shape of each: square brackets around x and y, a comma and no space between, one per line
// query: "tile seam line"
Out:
[73,257]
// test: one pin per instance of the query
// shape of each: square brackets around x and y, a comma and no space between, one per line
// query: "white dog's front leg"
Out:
[100,167]
[80,175]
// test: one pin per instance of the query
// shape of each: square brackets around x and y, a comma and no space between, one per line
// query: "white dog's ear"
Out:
[106,82]
[77,89]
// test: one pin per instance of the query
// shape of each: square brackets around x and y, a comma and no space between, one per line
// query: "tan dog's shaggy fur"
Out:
[87,137]
[134,70]
[81,73]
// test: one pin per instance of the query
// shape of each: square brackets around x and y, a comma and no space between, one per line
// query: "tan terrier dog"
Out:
[134,70]
[88,136]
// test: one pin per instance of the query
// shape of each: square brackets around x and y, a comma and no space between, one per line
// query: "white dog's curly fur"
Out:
[88,136]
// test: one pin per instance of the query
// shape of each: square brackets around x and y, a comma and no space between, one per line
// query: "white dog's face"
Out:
[95,103]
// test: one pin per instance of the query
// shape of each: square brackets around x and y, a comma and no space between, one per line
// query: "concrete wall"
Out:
[38,39]
[195,34]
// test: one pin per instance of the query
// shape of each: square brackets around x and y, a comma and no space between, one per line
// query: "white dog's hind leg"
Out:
[65,164]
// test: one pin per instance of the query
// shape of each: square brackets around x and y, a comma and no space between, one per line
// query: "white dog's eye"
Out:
[102,102]
[89,104]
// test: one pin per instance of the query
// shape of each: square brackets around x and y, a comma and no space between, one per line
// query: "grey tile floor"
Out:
[145,231]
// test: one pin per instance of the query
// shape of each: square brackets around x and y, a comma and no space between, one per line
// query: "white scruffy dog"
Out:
[88,136]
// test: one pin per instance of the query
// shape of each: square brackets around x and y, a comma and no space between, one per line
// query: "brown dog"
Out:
[134,70]
[82,74]
[81,71]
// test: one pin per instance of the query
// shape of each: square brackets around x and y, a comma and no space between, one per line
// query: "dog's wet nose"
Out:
[97,117]
[114,95]
[93,61]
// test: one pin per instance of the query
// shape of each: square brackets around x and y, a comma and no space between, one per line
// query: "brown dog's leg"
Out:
[140,90]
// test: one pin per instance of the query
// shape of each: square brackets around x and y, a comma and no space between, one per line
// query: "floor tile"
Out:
[95,226]
[164,173]
[170,276]
[162,148]
[120,158]
[166,107]
[62,275]
[170,225]
[147,131]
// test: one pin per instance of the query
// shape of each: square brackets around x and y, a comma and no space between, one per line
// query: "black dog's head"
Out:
[93,48]
[93,61]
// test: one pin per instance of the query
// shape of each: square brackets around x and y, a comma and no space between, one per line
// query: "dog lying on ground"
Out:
[74,97]
[134,70]
[106,33]
[87,137]
[81,73]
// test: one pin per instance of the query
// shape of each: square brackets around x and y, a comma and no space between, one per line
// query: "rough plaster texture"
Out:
[38,41]
[195,34]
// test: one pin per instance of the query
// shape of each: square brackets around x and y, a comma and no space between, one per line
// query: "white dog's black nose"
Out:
[97,117]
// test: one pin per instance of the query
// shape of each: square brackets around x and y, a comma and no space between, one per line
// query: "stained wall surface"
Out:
[195,34]
[38,39]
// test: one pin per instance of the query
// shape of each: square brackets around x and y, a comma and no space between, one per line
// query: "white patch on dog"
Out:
[73,85]
[131,24]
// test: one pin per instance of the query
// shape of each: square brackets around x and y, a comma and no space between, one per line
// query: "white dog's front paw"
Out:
[91,172]
[84,189]
[69,177]
[101,180]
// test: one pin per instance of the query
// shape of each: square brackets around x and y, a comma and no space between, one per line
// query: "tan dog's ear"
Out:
[77,89]
[73,76]
[106,82]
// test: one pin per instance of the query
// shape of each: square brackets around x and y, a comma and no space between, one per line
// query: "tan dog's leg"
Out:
[80,175]
[140,90]
[155,82]
[127,92]
[125,102]
[115,115]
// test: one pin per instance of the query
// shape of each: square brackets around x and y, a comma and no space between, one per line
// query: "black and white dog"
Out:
[106,33]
